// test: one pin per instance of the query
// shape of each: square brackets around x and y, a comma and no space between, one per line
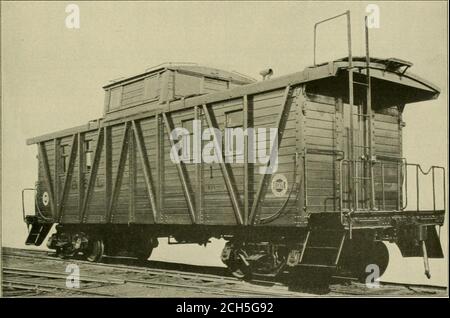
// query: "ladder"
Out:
[38,233]
[364,115]
[361,154]
[322,249]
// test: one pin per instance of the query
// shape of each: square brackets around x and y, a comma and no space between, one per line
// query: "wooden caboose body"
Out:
[114,177]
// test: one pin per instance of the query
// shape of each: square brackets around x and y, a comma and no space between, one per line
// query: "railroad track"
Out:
[207,284]
[38,282]
[23,282]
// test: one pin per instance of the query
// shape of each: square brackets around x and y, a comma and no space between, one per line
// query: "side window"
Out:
[188,124]
[65,154]
[211,85]
[234,119]
[151,87]
[115,98]
[88,151]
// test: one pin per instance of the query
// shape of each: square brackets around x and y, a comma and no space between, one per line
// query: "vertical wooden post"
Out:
[80,173]
[47,178]
[132,176]
[198,170]
[246,181]
[67,178]
[56,174]
[92,175]
[280,124]
[181,174]
[226,174]
[145,167]
[300,136]
[339,146]
[108,169]
[159,166]
[120,168]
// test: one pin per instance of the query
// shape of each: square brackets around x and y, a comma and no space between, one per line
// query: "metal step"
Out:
[360,83]
[38,233]
[33,234]
[317,265]
[322,248]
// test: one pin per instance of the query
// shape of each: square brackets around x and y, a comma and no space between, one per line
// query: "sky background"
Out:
[52,76]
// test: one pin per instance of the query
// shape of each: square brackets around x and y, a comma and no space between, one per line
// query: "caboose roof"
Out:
[391,80]
[186,68]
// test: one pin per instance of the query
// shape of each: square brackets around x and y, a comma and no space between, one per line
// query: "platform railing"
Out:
[420,172]
[402,191]
[24,215]
[37,212]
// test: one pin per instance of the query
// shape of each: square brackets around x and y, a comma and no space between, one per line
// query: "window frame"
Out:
[88,151]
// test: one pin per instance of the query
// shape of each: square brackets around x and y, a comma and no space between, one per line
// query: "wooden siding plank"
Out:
[131,175]
[68,176]
[225,172]
[56,144]
[179,167]
[246,165]
[146,168]
[92,174]
[80,173]
[199,170]
[263,180]
[47,178]
[120,170]
[108,168]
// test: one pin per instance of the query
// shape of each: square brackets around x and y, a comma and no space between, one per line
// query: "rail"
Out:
[158,275]
[37,210]
[349,36]
[419,171]
[399,187]
[23,200]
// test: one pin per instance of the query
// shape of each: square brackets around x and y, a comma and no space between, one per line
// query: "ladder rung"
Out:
[360,83]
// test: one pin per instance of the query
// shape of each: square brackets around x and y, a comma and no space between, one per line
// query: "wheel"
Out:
[143,249]
[239,267]
[363,255]
[144,253]
[62,253]
[379,255]
[95,250]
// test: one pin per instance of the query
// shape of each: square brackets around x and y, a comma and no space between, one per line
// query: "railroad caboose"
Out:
[339,188]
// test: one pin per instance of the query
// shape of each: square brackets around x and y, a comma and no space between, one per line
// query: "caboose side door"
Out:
[355,164]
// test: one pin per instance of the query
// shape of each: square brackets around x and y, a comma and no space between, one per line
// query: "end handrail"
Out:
[23,200]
